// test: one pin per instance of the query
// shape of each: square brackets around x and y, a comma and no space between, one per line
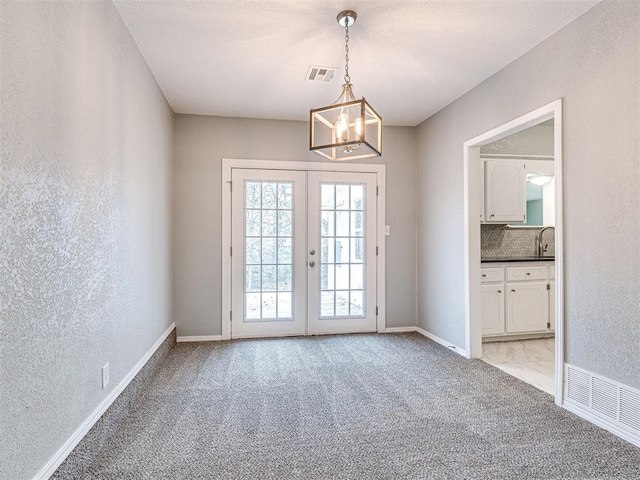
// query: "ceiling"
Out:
[408,58]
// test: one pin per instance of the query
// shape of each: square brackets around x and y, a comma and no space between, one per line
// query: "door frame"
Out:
[472,254]
[228,164]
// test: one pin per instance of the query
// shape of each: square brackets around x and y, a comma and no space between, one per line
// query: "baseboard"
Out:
[442,342]
[49,469]
[199,338]
[606,403]
[600,422]
[429,335]
[399,329]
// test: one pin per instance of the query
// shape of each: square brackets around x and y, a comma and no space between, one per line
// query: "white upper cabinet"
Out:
[505,191]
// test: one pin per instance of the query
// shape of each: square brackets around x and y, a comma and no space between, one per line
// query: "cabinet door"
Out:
[492,301]
[552,305]
[505,191]
[527,307]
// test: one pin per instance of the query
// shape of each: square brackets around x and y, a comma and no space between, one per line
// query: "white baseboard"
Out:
[601,422]
[199,338]
[61,455]
[430,336]
[399,329]
[442,342]
[604,402]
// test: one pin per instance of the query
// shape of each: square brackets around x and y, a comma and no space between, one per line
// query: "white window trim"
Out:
[228,164]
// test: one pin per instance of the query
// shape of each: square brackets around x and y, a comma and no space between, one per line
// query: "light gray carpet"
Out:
[352,406]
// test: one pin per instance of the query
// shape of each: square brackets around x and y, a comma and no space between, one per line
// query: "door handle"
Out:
[312,252]
[312,263]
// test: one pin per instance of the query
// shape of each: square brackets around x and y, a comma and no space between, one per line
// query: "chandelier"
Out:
[349,128]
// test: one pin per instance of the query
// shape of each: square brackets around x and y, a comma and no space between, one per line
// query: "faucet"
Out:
[539,248]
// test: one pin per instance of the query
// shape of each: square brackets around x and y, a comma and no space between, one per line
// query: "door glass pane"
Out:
[342,250]
[268,239]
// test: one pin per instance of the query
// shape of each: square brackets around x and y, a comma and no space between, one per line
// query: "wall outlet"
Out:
[105,376]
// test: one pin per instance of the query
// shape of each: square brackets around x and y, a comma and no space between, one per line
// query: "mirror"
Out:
[540,193]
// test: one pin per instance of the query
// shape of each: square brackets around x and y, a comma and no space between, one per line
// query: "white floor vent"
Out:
[617,404]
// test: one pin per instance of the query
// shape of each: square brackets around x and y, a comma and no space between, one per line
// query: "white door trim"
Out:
[230,163]
[472,257]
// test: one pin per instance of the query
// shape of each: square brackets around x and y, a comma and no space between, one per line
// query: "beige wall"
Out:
[593,64]
[86,146]
[201,143]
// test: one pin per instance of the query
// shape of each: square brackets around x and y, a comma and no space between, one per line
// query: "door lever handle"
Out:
[312,263]
[312,252]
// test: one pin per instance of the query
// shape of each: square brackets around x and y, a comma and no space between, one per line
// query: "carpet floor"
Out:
[351,406]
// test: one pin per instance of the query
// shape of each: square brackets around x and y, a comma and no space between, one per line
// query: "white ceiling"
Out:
[408,58]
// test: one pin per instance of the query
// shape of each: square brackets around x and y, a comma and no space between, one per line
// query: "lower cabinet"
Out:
[517,299]
[492,309]
[527,307]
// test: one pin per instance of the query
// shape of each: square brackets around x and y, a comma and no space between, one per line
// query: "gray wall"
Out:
[593,64]
[201,143]
[85,219]
[536,140]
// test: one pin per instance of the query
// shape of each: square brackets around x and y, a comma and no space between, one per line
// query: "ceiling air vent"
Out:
[320,74]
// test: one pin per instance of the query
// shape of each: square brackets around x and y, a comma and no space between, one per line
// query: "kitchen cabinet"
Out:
[505,190]
[492,300]
[517,298]
[527,307]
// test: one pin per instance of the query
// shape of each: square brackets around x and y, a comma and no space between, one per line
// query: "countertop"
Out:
[517,259]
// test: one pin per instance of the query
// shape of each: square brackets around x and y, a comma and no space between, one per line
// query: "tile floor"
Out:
[532,361]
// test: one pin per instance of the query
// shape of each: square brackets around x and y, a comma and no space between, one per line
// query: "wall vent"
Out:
[578,386]
[604,397]
[316,73]
[630,408]
[614,402]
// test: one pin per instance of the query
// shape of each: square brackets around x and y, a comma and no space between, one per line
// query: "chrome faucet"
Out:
[539,247]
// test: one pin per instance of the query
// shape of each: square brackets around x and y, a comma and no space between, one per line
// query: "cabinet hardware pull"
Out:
[484,274]
[513,291]
[499,291]
[528,273]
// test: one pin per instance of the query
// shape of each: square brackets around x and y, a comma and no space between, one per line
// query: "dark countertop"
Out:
[517,259]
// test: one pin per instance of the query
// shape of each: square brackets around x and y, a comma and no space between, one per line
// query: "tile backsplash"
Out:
[500,241]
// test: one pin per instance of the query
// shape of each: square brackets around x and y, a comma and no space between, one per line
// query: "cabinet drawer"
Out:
[491,275]
[526,273]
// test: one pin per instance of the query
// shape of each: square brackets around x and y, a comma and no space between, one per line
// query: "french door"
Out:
[303,252]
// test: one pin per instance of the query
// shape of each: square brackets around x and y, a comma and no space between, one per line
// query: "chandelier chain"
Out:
[347,78]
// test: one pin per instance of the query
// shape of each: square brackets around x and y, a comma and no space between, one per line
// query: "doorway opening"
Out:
[513,249]
[304,249]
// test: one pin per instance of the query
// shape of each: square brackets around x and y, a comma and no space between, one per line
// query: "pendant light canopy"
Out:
[349,128]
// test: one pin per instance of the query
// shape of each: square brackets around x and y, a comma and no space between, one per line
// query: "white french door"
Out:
[303,252]
[342,271]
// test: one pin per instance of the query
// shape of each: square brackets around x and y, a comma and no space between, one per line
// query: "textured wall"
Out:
[593,64]
[536,140]
[85,219]
[201,143]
